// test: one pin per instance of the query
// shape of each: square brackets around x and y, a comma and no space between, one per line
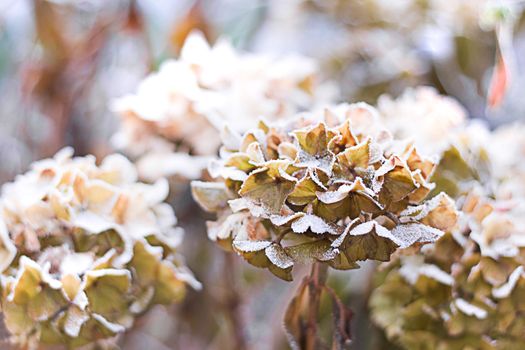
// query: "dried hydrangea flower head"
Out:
[85,249]
[321,189]
[178,110]
[464,291]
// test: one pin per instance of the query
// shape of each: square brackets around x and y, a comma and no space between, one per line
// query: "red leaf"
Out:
[499,83]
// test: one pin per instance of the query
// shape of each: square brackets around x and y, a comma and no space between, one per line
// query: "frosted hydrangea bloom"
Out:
[85,249]
[181,107]
[318,189]
[464,291]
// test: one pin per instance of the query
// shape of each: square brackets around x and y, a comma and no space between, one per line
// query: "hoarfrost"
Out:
[251,246]
[504,290]
[470,309]
[406,235]
[314,223]
[277,255]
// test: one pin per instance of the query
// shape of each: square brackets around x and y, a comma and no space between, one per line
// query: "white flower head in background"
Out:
[182,107]
[507,151]
[424,117]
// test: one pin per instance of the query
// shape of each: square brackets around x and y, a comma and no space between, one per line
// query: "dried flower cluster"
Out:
[179,109]
[84,250]
[466,290]
[326,188]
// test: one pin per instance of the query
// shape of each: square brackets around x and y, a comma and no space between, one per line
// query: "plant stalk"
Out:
[316,280]
[233,304]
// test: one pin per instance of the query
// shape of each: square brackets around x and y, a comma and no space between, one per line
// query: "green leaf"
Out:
[240,161]
[145,263]
[439,212]
[451,171]
[313,148]
[357,156]
[310,252]
[169,287]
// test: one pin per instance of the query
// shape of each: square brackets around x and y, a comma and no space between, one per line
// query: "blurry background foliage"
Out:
[62,61]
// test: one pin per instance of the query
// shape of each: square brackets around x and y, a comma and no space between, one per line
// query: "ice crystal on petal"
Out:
[278,256]
[312,223]
[251,246]
[406,235]
[504,290]
[470,309]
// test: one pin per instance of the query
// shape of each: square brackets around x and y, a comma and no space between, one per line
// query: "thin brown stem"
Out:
[233,304]
[317,280]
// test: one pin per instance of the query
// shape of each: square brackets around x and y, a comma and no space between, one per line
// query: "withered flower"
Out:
[85,249]
[321,189]
[464,291]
